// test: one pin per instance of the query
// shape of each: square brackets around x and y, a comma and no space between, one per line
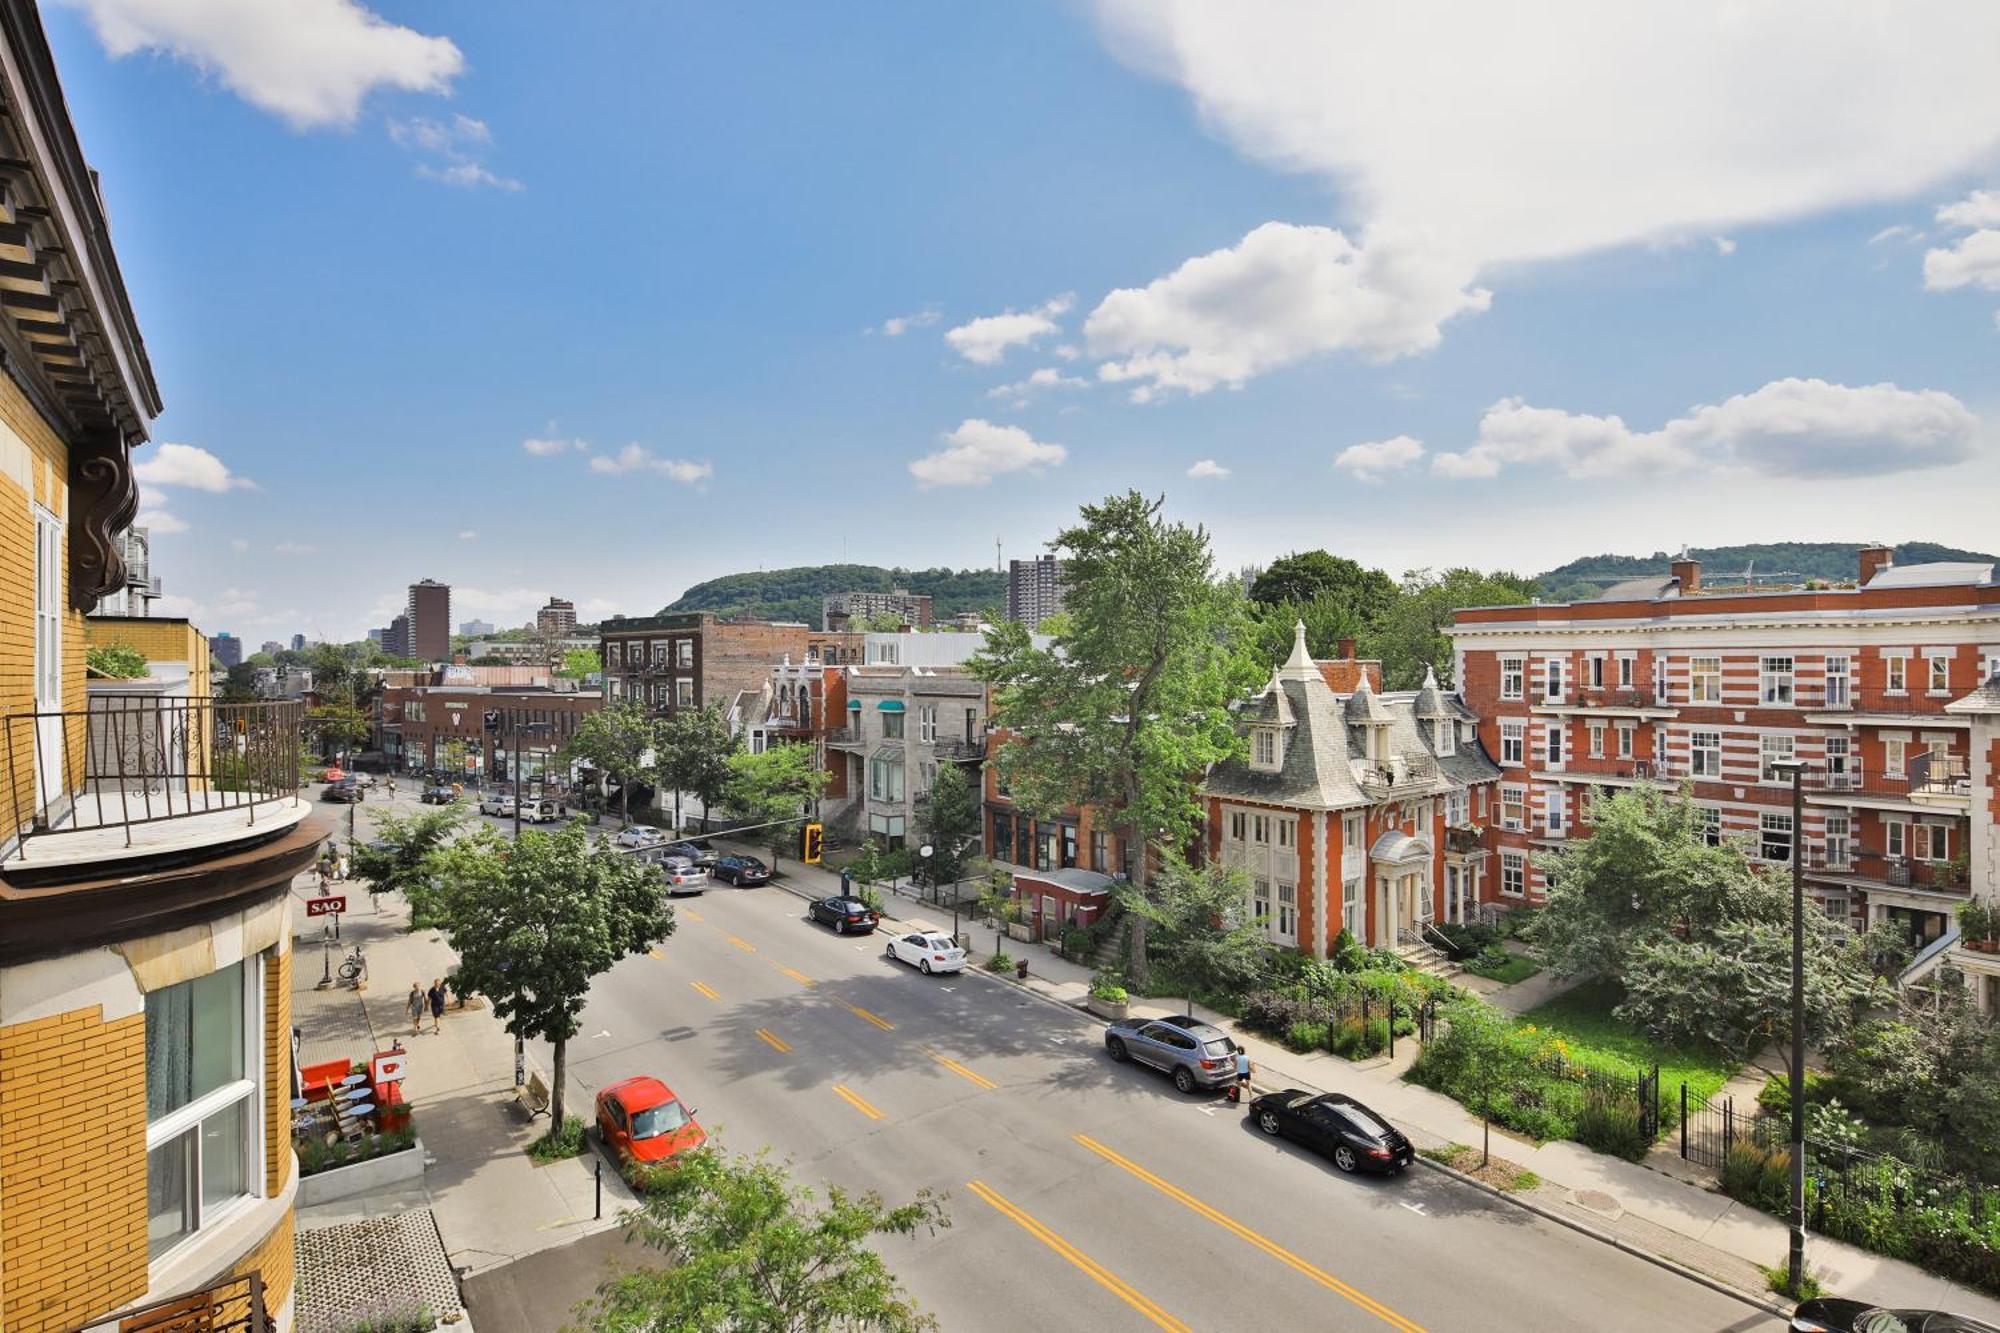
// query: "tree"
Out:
[336,672]
[950,822]
[339,725]
[119,661]
[1129,705]
[533,921]
[751,1252]
[1409,638]
[773,788]
[693,755]
[1312,576]
[1328,623]
[1204,934]
[579,662]
[402,857]
[617,740]
[879,622]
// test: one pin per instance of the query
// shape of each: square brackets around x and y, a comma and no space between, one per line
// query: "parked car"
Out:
[845,914]
[683,876]
[497,803]
[641,835]
[543,811]
[1193,1060]
[362,779]
[438,795]
[741,870]
[342,791]
[641,1120]
[1828,1314]
[1335,1126]
[698,850]
[927,951]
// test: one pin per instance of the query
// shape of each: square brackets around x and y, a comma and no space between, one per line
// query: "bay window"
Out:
[202,1072]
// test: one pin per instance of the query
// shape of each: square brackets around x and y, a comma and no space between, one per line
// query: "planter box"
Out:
[344,1182]
[1017,930]
[1106,1009]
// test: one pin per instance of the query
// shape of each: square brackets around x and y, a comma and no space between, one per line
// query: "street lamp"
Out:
[924,854]
[1796,1259]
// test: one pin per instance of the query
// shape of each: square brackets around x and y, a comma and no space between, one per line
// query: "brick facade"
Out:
[692,659]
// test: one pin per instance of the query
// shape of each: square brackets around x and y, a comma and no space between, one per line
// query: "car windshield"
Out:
[657,1120]
[1218,1048]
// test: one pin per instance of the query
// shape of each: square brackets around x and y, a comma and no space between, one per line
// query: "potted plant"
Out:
[1108,997]
[1976,925]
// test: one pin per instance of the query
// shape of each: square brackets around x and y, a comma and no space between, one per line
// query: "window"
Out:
[1837,762]
[1237,822]
[1708,824]
[1899,675]
[1775,680]
[1894,752]
[1513,806]
[1260,899]
[1288,912]
[1553,673]
[1552,745]
[1286,829]
[1839,841]
[1625,731]
[1513,672]
[1626,666]
[1705,680]
[1353,832]
[1264,747]
[1513,739]
[1455,809]
[1554,813]
[1447,738]
[971,725]
[885,777]
[1100,850]
[1597,740]
[1895,839]
[684,693]
[684,653]
[1772,750]
[201,1102]
[1260,829]
[892,726]
[1595,663]
[927,722]
[1351,908]
[1940,674]
[1836,683]
[1932,842]
[1775,837]
[1513,874]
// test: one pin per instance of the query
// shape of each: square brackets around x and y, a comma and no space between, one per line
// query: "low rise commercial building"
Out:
[446,727]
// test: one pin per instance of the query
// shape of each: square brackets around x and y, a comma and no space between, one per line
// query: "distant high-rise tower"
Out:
[1034,589]
[557,618]
[430,621]
[298,643]
[396,638]
[226,648]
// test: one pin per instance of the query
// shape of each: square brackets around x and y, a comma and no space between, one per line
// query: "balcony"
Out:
[1938,781]
[847,737]
[1875,870]
[1623,701]
[1601,769]
[235,1305]
[1402,774]
[1463,839]
[958,750]
[1892,712]
[133,777]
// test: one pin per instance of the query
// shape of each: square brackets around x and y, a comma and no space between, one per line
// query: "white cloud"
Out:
[157,520]
[456,146]
[897,325]
[1208,469]
[311,62]
[1048,377]
[173,604]
[469,176]
[551,445]
[1280,295]
[233,604]
[1371,460]
[468,536]
[1788,428]
[1724,245]
[1900,231]
[190,466]
[295,548]
[238,545]
[637,458]
[1975,260]
[1981,208]
[984,341]
[979,451]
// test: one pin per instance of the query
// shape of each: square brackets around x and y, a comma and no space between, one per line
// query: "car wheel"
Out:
[1117,1049]
[1344,1158]
[924,966]
[1268,1122]
[840,926]
[1184,1078]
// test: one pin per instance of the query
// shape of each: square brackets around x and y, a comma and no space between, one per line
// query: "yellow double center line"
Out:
[1268,1246]
[960,1070]
[854,1099]
[774,1041]
[705,989]
[876,1019]
[794,974]
[745,945]
[1109,1280]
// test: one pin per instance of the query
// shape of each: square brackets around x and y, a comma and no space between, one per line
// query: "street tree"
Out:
[1129,705]
[1204,934]
[774,788]
[578,663]
[750,1251]
[1306,577]
[694,746]
[950,823]
[535,920]
[1409,635]
[339,725]
[402,857]
[618,741]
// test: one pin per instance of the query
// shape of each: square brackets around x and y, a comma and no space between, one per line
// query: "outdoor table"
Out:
[361,1110]
[353,1079]
[300,1103]
[357,1093]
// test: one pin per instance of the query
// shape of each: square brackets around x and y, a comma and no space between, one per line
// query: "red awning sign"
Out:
[331,906]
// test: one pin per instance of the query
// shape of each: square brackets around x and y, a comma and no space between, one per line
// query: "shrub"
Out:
[1108,984]
[1076,942]
[1305,1036]
[119,661]
[1611,1127]
[999,962]
[316,1155]
[1775,1097]
[558,1143]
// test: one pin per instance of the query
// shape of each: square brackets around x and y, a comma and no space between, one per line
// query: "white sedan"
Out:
[641,835]
[683,876]
[497,803]
[927,951]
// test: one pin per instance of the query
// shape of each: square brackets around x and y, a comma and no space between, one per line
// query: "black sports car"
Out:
[1335,1126]
[1830,1315]
[740,870]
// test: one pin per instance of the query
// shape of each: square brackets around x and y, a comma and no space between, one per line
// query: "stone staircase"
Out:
[1427,957]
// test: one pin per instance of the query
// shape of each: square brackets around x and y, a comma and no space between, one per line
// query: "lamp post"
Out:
[1796,1258]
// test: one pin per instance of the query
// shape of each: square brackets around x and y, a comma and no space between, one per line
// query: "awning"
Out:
[854,705]
[890,705]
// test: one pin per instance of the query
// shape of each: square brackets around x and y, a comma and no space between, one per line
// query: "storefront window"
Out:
[201,1088]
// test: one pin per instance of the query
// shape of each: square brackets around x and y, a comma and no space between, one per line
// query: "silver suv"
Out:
[1197,1055]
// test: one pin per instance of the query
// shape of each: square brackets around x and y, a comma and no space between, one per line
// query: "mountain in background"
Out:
[794,594]
[1775,562]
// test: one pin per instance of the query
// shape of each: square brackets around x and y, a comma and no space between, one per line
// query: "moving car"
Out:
[741,870]
[642,1121]
[543,811]
[438,795]
[845,914]
[1201,1058]
[698,850]
[683,876]
[1827,1314]
[927,951]
[342,791]
[1335,1126]
[641,835]
[497,803]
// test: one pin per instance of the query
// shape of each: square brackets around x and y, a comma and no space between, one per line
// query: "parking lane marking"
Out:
[876,1019]
[855,1100]
[705,989]
[774,1041]
[1097,1272]
[960,1070]
[1270,1247]
[745,945]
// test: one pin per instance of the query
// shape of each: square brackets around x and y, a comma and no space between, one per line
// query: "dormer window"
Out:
[1265,750]
[1447,738]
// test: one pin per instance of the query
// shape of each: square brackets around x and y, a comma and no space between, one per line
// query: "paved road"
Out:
[1082,1193]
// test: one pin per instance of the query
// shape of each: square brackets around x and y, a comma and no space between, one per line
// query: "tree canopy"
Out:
[617,740]
[1409,637]
[693,756]
[1314,576]
[798,593]
[950,823]
[402,857]
[774,787]
[1204,935]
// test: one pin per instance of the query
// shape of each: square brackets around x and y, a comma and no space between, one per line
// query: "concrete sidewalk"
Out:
[1691,1225]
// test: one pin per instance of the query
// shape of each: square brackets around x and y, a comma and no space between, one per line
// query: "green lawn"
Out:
[1517,967]
[1582,1018]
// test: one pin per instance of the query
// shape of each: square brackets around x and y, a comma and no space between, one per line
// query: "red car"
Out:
[642,1119]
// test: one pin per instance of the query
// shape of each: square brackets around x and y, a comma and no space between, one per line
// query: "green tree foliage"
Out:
[1409,637]
[336,671]
[402,857]
[1833,562]
[339,725]
[617,740]
[950,823]
[1927,1078]
[749,1251]
[694,746]
[579,662]
[533,921]
[1314,576]
[1203,933]
[776,785]
[119,661]
[796,594]
[1131,701]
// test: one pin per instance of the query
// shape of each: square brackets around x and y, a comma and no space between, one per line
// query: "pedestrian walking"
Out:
[1240,1090]
[415,1004]
[846,881]
[436,997]
[325,880]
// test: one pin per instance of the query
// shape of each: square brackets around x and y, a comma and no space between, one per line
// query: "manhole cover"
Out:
[1596,1200]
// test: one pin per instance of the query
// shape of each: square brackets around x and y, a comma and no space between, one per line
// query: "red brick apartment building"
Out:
[1875,686]
[691,659]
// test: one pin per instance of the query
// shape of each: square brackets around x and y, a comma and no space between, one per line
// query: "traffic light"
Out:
[812,844]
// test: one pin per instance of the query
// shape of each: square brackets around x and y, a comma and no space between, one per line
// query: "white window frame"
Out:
[1839,842]
[1455,808]
[1260,830]
[50,736]
[1264,747]
[1515,795]
[1704,681]
[1286,925]
[1895,673]
[1708,824]
[1769,824]
[1447,738]
[1513,743]
[1626,745]
[1514,872]
[1775,747]
[1930,842]
[1238,822]
[1838,752]
[1777,680]
[1708,744]
[1895,756]
[1838,695]
[1555,813]
[1513,677]
[1554,745]
[1596,730]
[1937,674]
[1287,831]
[1627,669]
[1555,680]
[927,723]
[1895,838]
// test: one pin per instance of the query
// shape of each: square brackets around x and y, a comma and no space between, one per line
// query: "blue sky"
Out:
[596,300]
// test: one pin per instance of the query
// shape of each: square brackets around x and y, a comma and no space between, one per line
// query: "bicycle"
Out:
[354,967]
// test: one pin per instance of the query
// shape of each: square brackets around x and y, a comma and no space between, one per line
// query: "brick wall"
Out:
[277,1070]
[73,1220]
[273,1258]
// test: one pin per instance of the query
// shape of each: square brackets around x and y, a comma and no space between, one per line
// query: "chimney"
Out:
[1687,572]
[1875,559]
[1344,650]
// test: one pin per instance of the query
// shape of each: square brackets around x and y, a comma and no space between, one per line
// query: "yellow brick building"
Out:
[148,835]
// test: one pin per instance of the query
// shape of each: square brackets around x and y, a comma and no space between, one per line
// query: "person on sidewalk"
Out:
[415,1004]
[1239,1091]
[436,997]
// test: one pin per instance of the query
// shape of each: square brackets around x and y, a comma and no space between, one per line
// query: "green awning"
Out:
[891,705]
[854,704]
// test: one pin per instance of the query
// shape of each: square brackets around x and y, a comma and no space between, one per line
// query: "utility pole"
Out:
[1795,1267]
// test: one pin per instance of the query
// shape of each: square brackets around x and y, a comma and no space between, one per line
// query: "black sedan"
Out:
[438,795]
[1830,1315]
[845,915]
[342,791]
[1335,1126]
[740,870]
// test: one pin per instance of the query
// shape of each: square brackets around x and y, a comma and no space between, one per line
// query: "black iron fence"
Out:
[1711,1126]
